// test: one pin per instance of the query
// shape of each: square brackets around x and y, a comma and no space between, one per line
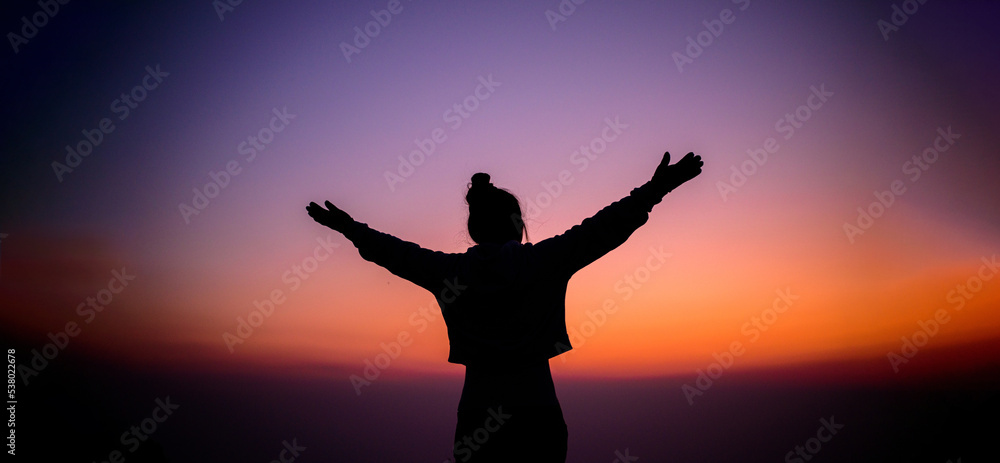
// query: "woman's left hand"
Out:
[331,216]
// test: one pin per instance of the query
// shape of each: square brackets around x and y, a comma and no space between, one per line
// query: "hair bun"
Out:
[481,178]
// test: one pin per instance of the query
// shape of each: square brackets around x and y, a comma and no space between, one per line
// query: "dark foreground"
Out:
[85,412]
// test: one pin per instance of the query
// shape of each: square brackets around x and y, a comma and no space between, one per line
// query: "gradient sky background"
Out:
[783,229]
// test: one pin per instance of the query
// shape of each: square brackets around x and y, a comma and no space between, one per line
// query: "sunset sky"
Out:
[556,85]
[730,249]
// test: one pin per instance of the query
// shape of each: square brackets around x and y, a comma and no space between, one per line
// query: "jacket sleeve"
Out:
[596,236]
[423,267]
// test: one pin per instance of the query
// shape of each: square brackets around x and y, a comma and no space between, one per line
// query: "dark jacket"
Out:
[506,303]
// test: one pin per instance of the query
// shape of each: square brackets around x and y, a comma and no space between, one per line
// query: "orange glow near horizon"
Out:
[708,293]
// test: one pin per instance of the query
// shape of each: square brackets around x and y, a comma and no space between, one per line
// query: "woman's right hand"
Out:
[671,176]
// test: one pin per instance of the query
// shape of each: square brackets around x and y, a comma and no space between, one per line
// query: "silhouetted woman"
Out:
[503,303]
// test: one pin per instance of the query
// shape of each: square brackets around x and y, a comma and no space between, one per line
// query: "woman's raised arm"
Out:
[423,267]
[611,226]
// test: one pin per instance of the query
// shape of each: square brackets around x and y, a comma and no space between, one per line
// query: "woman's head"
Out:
[494,213]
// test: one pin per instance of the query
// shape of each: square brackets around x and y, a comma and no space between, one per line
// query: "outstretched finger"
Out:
[694,159]
[330,206]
